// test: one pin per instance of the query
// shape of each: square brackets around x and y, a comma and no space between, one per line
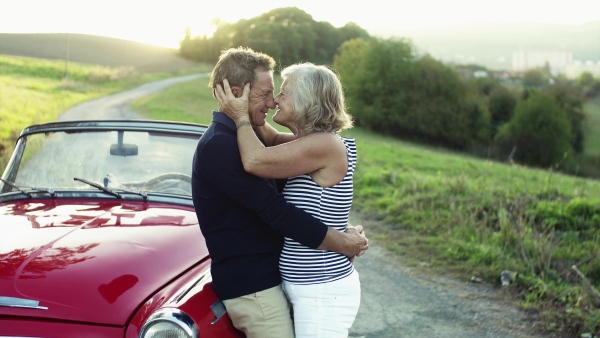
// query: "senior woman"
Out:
[323,286]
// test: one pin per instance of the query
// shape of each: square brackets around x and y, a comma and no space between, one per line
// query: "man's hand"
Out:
[232,101]
[358,231]
[351,243]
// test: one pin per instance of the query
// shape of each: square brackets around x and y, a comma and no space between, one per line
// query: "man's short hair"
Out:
[239,66]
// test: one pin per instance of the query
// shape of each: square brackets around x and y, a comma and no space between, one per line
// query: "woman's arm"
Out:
[323,155]
[272,136]
[319,152]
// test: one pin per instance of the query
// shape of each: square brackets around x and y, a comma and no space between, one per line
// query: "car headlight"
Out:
[169,323]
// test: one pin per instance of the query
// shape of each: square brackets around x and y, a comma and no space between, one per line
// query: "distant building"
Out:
[480,73]
[578,67]
[556,59]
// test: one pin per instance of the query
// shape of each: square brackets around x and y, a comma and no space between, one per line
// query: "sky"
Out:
[162,22]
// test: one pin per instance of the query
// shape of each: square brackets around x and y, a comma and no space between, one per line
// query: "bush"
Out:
[393,91]
[579,214]
[539,134]
[501,104]
[535,78]
[570,99]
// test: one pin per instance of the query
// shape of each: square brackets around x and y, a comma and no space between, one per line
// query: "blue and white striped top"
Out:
[300,264]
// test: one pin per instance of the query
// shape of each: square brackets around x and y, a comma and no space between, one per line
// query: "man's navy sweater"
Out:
[242,217]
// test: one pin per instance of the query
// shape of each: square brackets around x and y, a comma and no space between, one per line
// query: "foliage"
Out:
[289,35]
[589,85]
[570,99]
[478,218]
[577,214]
[539,132]
[535,78]
[486,85]
[590,127]
[347,62]
[462,214]
[502,103]
[393,91]
[465,216]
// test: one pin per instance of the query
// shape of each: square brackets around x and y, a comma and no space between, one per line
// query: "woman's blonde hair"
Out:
[317,98]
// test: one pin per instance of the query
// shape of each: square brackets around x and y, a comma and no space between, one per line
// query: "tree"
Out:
[381,83]
[449,111]
[486,85]
[289,35]
[540,131]
[585,79]
[535,78]
[347,62]
[501,104]
[589,85]
[393,91]
[570,99]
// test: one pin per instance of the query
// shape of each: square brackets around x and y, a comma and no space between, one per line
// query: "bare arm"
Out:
[352,243]
[272,136]
[308,154]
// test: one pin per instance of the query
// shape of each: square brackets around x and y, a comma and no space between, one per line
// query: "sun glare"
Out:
[162,22]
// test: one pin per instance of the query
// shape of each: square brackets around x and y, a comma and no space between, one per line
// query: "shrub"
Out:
[578,214]
[540,131]
[501,104]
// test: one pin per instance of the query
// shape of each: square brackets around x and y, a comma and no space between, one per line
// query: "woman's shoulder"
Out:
[324,139]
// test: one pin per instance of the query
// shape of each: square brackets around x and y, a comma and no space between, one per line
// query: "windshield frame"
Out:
[152,127]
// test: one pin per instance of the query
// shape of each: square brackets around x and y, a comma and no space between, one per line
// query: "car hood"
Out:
[93,261]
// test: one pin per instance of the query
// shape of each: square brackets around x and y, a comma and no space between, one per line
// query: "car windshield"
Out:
[134,160]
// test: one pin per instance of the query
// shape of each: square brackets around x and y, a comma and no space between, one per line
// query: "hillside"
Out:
[93,49]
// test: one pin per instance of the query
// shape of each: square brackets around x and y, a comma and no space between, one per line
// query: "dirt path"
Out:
[396,301]
[401,302]
[116,106]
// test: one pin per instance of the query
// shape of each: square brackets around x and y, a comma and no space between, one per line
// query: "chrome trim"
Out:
[174,316]
[189,288]
[21,303]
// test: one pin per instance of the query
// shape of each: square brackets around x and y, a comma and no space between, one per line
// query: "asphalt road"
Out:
[396,301]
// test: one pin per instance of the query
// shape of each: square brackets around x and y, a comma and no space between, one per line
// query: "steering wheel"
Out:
[167,177]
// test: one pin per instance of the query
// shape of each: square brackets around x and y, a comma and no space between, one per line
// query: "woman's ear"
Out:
[236,91]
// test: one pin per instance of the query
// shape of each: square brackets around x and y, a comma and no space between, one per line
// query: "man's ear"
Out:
[237,92]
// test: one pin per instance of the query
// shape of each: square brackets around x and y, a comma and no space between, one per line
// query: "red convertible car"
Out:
[98,234]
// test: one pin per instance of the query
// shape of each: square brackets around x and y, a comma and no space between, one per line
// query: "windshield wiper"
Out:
[112,192]
[140,193]
[28,194]
[108,191]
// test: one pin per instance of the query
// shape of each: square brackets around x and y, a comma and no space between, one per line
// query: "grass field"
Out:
[35,90]
[461,215]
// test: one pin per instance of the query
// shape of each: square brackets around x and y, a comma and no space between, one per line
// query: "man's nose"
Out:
[271,103]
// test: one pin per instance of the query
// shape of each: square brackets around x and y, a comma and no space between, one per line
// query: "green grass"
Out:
[34,91]
[462,215]
[192,102]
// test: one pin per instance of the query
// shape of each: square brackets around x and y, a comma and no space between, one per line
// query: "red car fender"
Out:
[193,300]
